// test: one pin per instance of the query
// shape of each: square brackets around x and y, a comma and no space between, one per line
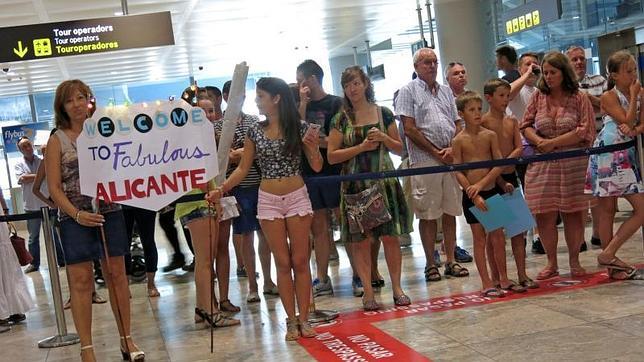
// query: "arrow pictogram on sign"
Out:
[20,51]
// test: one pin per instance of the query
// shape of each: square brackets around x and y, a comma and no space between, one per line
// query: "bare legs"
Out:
[320,229]
[81,285]
[204,233]
[291,257]
[625,231]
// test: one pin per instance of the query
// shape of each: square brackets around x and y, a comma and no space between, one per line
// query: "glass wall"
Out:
[581,22]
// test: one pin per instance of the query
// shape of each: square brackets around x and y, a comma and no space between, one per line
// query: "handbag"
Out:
[367,209]
[24,257]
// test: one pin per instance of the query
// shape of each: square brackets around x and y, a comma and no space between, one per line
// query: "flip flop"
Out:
[547,273]
[492,293]
[612,264]
[529,284]
[513,287]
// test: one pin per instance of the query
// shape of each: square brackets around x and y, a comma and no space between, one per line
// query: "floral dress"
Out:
[616,173]
[558,185]
[401,217]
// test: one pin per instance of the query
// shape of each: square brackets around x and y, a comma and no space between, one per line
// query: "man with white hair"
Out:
[430,120]
[456,77]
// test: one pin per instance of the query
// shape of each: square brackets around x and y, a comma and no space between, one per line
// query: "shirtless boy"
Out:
[476,143]
[497,94]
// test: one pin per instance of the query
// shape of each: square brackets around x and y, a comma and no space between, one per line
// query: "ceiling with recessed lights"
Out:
[211,34]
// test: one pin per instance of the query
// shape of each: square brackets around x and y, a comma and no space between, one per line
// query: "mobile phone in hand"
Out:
[313,128]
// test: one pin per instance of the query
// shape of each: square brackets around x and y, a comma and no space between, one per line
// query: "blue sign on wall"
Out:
[11,134]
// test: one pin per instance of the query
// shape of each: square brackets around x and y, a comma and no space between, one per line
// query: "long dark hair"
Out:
[348,76]
[288,114]
[558,60]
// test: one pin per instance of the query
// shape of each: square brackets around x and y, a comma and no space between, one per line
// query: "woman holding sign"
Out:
[284,208]
[79,225]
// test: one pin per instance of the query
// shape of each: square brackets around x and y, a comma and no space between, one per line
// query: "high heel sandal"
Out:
[133,356]
[216,319]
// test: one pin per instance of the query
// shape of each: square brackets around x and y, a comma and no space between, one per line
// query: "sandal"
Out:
[402,300]
[306,330]
[96,299]
[492,293]
[455,270]
[577,272]
[153,293]
[614,264]
[513,287]
[627,275]
[529,283]
[226,306]
[271,290]
[370,305]
[292,330]
[253,297]
[432,274]
[222,320]
[547,273]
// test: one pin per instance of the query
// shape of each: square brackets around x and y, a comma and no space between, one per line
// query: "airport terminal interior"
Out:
[146,52]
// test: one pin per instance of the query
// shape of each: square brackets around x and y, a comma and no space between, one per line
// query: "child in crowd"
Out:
[476,143]
[497,94]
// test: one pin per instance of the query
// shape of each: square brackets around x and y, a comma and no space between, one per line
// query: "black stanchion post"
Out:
[62,338]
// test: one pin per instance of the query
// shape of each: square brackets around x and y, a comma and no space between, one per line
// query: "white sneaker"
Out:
[253,297]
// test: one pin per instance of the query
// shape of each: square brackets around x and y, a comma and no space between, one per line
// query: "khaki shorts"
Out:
[435,194]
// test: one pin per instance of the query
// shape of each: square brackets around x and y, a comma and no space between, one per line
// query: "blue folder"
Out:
[498,213]
[523,220]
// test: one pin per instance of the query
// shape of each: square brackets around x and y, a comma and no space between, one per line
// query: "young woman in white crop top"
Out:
[284,208]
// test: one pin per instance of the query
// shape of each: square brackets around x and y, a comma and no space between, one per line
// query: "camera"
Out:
[201,67]
[536,71]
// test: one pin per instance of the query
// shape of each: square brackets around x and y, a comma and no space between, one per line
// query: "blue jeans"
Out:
[33,227]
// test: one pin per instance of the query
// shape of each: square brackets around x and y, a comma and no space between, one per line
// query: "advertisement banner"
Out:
[11,134]
[146,156]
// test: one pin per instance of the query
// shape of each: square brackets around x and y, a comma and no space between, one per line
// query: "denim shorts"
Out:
[271,207]
[247,200]
[324,195]
[82,243]
[196,214]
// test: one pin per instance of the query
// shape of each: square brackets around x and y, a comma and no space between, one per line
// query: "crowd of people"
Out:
[543,104]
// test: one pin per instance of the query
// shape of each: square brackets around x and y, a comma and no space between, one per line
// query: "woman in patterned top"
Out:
[558,118]
[617,174]
[357,134]
[78,224]
[284,208]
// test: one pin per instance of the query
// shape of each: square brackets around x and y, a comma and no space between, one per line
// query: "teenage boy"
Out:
[497,94]
[476,143]
[316,106]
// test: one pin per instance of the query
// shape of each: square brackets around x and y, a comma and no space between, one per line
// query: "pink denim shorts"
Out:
[271,207]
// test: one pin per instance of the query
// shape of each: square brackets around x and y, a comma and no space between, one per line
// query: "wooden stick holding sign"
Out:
[231,118]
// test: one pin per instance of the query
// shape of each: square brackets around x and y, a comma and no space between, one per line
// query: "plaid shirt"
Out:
[435,115]
[594,85]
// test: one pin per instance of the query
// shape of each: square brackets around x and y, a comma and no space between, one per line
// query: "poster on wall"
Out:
[146,156]
[11,134]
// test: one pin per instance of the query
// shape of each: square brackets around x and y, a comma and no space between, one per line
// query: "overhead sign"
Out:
[146,156]
[530,15]
[51,40]
[11,134]
[418,45]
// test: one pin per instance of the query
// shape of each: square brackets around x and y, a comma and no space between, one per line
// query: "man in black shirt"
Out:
[316,106]
[506,60]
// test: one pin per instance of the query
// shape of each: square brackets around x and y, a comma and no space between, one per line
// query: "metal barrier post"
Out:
[640,154]
[62,338]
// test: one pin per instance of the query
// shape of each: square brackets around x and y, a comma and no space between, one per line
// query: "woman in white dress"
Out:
[15,299]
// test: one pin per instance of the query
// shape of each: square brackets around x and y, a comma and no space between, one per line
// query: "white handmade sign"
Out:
[146,155]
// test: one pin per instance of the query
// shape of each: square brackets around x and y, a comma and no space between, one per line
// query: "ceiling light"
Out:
[118,13]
